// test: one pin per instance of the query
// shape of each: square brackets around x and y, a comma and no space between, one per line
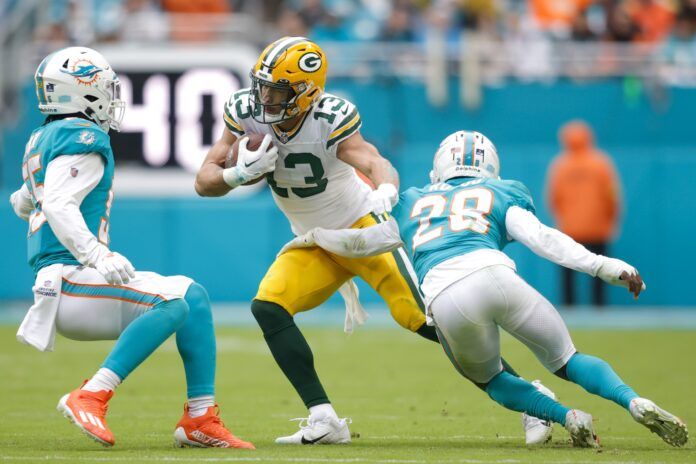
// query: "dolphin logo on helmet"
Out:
[84,73]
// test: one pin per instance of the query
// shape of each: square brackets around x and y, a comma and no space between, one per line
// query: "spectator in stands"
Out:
[679,52]
[313,12]
[583,194]
[653,17]
[580,29]
[196,21]
[320,23]
[398,27]
[687,10]
[476,14]
[142,20]
[621,27]
[291,23]
[557,16]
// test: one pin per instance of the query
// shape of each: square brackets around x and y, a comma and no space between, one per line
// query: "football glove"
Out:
[611,269]
[21,203]
[383,199]
[115,268]
[251,164]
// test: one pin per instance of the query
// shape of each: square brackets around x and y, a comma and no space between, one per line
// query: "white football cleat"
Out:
[537,431]
[579,425]
[327,431]
[667,426]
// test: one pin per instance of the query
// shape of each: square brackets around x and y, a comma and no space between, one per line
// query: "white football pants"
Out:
[91,309]
[467,314]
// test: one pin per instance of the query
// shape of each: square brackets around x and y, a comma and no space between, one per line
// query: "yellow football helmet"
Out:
[287,79]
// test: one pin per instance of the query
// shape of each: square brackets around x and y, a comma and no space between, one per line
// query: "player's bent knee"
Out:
[198,300]
[271,317]
[563,371]
[177,309]
[406,313]
[196,291]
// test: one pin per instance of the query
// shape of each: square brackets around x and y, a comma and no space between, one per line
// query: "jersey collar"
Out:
[285,137]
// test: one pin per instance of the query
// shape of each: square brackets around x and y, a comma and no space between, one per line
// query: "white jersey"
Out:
[310,184]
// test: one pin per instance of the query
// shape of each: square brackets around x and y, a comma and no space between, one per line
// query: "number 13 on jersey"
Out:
[467,211]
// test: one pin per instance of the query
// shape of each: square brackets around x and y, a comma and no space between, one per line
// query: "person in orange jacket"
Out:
[584,197]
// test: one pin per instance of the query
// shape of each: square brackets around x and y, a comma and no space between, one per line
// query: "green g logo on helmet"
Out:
[310,62]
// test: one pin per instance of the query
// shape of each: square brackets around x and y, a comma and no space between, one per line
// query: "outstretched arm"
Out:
[557,247]
[351,243]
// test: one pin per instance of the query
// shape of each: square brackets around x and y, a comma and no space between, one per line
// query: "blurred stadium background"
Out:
[417,70]
[516,70]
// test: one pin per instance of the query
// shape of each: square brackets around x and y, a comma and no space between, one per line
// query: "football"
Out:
[254,143]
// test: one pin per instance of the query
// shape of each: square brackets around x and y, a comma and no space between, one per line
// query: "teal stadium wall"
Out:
[228,244]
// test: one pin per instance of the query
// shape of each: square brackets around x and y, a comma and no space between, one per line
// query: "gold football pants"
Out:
[303,278]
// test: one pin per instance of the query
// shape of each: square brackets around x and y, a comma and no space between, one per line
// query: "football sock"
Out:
[199,405]
[104,379]
[290,350]
[195,341]
[429,332]
[508,368]
[144,335]
[597,377]
[321,411]
[519,395]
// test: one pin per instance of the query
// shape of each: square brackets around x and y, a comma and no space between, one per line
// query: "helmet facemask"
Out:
[117,107]
[274,102]
[106,109]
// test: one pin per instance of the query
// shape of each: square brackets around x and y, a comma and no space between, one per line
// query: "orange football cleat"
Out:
[206,431]
[87,410]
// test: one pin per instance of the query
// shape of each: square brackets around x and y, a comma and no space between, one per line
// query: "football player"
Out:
[455,230]
[311,169]
[83,289]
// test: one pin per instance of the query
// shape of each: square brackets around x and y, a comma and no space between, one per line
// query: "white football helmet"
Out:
[80,80]
[465,154]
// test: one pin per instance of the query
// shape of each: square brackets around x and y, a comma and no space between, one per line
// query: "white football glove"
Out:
[302,241]
[611,269]
[115,268]
[21,203]
[383,199]
[251,164]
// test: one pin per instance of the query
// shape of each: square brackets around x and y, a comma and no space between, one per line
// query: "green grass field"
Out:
[407,403]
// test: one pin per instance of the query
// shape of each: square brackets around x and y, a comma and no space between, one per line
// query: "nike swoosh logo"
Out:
[311,442]
[249,164]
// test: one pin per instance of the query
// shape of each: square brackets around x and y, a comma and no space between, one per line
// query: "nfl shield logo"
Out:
[73,172]
[283,137]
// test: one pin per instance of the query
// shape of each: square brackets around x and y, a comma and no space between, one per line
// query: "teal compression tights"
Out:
[196,343]
[192,320]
